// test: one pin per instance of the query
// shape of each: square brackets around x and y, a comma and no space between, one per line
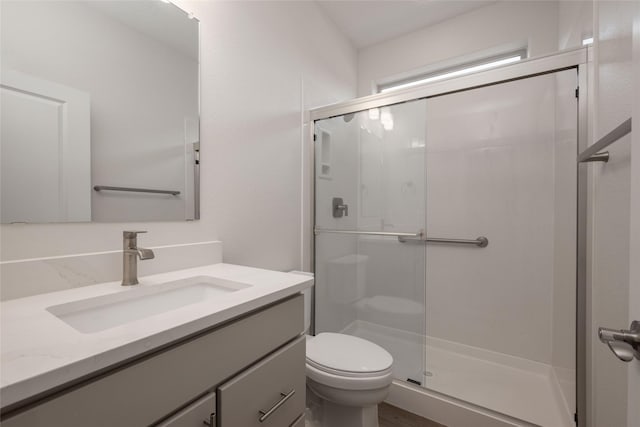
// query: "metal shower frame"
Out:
[571,59]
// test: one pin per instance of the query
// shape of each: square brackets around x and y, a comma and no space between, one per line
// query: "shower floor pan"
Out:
[519,388]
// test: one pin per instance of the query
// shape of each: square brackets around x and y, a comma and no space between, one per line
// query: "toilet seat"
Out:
[346,374]
[371,382]
[348,362]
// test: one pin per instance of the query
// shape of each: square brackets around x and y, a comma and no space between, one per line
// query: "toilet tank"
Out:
[347,278]
[308,298]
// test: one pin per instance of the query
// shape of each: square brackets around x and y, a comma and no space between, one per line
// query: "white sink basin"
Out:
[138,302]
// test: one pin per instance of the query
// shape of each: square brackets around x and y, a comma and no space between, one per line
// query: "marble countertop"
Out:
[39,351]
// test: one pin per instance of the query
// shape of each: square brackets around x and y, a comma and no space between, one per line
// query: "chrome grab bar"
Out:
[593,154]
[481,242]
[135,190]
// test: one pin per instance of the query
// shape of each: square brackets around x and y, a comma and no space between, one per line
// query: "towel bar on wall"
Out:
[135,190]
[593,154]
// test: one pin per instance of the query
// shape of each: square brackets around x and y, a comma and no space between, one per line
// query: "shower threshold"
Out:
[513,386]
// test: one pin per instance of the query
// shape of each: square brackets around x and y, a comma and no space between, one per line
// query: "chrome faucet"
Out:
[130,254]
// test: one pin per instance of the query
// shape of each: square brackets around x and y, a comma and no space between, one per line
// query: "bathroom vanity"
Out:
[231,358]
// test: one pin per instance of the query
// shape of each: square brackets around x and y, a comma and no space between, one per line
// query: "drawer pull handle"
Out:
[211,422]
[284,397]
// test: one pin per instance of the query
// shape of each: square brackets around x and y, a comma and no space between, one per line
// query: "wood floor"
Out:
[390,416]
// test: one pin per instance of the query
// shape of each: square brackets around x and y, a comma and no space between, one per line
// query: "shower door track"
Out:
[570,59]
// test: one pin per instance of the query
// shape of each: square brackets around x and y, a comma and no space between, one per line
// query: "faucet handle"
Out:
[132,234]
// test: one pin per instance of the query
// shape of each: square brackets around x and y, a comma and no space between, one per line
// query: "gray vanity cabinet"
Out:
[235,370]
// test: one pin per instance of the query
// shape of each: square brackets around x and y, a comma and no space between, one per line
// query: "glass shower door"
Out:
[501,319]
[370,189]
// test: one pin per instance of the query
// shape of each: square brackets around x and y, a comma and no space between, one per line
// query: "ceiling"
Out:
[367,22]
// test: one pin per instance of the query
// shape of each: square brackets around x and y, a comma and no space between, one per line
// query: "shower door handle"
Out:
[624,343]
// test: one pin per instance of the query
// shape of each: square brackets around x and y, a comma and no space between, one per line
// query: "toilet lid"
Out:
[347,353]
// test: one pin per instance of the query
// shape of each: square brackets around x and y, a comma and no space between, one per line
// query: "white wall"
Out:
[489,30]
[272,59]
[575,22]
[255,57]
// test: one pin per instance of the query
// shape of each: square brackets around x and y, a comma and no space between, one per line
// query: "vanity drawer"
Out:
[270,393]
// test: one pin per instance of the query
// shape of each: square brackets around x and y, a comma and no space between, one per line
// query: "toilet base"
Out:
[324,413]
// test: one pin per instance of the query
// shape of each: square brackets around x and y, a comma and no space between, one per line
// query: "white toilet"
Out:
[347,377]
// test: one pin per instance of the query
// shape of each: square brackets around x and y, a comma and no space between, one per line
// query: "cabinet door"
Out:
[270,393]
[198,414]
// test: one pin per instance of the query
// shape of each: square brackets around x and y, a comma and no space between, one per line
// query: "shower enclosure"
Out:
[445,231]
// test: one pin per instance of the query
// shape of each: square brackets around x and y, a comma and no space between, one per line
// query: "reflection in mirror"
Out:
[98,94]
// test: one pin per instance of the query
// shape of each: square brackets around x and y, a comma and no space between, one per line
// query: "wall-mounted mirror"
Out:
[99,111]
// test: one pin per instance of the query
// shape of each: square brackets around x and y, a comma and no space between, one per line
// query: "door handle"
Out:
[624,343]
[283,398]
